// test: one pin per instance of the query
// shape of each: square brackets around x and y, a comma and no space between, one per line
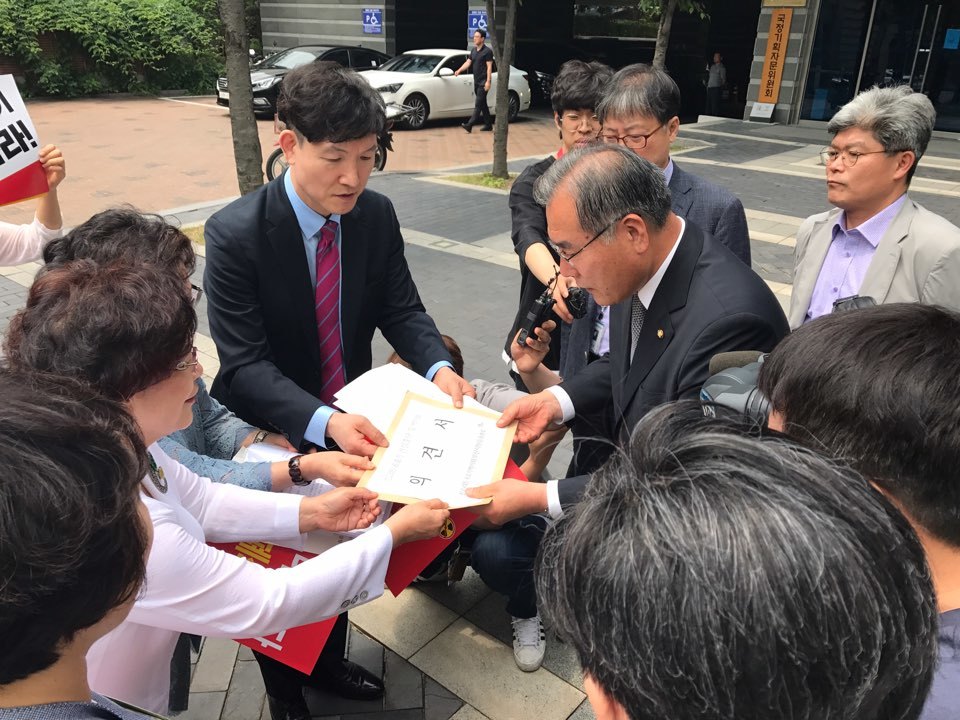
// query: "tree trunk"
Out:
[667,8]
[243,124]
[503,53]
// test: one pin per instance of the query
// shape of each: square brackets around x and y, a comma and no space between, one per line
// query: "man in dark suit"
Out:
[678,298]
[299,274]
[640,109]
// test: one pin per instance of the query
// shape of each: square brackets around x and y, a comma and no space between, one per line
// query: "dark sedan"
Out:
[266,75]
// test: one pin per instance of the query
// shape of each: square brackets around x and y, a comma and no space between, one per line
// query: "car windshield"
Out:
[288,59]
[421,64]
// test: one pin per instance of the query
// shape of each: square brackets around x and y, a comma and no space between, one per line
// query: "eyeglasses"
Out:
[191,363]
[576,120]
[195,293]
[847,157]
[634,142]
[569,258]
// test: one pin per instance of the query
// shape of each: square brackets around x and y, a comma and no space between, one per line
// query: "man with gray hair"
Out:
[878,243]
[679,297]
[713,575]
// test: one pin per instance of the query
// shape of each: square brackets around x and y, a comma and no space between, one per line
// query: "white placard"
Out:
[19,146]
[764,111]
[438,451]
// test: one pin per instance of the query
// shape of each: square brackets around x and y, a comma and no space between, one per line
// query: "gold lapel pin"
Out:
[660,334]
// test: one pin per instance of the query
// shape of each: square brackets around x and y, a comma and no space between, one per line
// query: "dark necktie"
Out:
[327,304]
[637,313]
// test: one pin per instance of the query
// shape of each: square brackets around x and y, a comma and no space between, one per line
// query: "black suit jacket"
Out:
[708,302]
[261,305]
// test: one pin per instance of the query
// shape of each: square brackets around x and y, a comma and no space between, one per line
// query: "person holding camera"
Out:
[878,243]
[679,297]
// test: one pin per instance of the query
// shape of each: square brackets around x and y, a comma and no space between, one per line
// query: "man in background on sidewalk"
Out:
[481,60]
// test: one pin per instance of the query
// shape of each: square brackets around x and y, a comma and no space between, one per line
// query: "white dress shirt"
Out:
[191,587]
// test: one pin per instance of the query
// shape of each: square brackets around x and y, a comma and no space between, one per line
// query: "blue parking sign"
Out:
[373,21]
[476,20]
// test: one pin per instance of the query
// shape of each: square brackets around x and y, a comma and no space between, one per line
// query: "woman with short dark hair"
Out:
[74,537]
[128,331]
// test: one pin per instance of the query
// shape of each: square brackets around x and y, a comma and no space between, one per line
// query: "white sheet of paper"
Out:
[378,393]
[437,451]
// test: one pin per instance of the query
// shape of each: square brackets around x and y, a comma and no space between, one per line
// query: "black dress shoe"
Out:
[467,126]
[288,709]
[487,128]
[349,680]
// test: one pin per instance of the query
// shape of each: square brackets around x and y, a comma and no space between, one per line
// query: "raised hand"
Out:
[533,414]
[529,355]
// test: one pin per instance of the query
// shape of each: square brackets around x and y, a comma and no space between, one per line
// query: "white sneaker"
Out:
[529,644]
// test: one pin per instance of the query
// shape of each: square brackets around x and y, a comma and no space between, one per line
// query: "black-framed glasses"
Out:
[195,293]
[191,363]
[632,141]
[569,258]
[847,157]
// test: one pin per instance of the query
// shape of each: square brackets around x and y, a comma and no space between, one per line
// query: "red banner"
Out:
[23,184]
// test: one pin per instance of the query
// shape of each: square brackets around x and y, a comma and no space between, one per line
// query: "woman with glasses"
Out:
[576,91]
[128,332]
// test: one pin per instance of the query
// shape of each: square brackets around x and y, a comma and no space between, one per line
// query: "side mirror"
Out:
[445,72]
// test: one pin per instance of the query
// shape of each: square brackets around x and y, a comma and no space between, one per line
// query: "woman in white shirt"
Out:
[128,330]
[24,243]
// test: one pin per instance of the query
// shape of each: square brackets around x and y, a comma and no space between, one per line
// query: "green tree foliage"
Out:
[113,45]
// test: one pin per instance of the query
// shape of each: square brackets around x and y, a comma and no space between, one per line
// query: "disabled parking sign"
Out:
[373,21]
[476,20]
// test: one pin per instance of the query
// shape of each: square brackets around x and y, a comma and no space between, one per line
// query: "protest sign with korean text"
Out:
[21,174]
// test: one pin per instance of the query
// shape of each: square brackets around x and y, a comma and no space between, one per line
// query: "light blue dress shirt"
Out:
[310,222]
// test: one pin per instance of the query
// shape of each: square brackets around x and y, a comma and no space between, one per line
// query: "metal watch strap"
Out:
[260,436]
[293,465]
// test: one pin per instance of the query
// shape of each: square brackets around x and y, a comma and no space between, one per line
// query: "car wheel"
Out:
[276,164]
[419,114]
[513,109]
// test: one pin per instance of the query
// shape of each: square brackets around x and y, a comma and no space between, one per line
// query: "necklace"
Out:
[157,476]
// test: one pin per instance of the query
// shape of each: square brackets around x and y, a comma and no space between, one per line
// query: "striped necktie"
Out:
[327,304]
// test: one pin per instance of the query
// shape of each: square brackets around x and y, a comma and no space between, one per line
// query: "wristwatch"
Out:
[295,475]
[260,436]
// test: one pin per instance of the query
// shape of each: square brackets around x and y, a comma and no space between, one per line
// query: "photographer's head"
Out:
[73,531]
[576,92]
[710,575]
[609,219]
[333,118]
[879,388]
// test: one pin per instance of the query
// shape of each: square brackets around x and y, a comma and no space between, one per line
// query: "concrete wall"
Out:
[286,23]
[797,60]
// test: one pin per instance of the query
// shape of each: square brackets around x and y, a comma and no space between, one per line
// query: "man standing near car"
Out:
[481,59]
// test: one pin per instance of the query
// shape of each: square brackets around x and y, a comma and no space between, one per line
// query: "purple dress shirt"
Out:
[848,258]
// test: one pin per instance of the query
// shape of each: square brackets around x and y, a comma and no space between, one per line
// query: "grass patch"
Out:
[483,180]
[194,232]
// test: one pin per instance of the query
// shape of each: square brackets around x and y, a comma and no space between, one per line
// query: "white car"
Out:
[424,81]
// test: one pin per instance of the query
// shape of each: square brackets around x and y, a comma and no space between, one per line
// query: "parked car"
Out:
[541,60]
[266,75]
[424,80]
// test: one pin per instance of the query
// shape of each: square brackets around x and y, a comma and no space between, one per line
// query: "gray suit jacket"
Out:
[711,208]
[917,260]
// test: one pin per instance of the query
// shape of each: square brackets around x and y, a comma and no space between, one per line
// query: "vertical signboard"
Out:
[773,60]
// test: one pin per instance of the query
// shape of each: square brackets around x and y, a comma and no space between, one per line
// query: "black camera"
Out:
[736,389]
[540,311]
